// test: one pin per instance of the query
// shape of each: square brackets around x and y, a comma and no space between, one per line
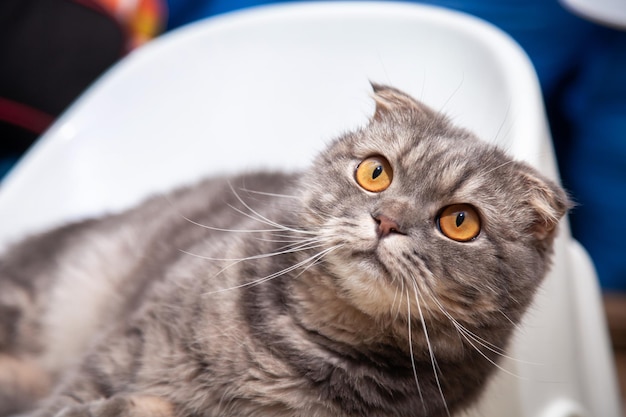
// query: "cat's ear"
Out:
[390,100]
[548,201]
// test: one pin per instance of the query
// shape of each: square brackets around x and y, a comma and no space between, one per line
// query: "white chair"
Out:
[267,88]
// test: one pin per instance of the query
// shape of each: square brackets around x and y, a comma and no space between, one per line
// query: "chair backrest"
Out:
[267,88]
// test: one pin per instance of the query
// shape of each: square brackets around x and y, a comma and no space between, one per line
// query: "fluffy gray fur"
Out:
[277,295]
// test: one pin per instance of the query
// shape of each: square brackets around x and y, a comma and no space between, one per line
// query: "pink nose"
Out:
[386,226]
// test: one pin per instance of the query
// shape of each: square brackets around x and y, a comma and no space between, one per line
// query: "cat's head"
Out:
[421,210]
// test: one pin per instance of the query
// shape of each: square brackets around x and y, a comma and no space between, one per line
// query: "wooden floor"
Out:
[615,306]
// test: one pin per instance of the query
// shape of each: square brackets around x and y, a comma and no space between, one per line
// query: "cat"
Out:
[384,280]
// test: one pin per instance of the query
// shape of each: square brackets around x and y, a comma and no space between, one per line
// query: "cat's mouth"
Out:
[372,249]
[378,260]
[370,257]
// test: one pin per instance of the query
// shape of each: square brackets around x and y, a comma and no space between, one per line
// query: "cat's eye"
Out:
[459,222]
[374,174]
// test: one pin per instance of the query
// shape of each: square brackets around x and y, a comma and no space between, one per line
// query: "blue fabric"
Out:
[6,164]
[181,12]
[582,71]
[551,36]
[594,164]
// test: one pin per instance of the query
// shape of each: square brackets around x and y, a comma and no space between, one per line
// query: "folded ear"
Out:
[548,201]
[390,100]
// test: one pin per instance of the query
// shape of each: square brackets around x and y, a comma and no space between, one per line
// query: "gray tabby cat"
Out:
[385,280]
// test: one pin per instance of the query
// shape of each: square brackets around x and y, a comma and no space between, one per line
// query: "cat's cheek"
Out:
[355,235]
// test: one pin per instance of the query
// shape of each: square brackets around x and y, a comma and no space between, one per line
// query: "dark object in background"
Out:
[50,51]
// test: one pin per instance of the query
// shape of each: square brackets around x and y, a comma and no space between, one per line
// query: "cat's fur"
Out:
[276,295]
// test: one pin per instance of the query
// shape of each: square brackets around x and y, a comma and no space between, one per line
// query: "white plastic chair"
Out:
[267,88]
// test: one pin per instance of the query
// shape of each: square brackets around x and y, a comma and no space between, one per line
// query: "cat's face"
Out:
[425,217]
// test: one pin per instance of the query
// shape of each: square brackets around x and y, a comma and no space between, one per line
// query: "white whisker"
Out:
[395,296]
[220,229]
[302,247]
[433,361]
[502,123]
[260,218]
[491,361]
[310,260]
[475,340]
[497,167]
[417,383]
[269,194]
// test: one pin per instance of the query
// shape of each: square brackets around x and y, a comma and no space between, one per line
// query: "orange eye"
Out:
[459,222]
[374,174]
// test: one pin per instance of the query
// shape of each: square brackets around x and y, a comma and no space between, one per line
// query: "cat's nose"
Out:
[386,226]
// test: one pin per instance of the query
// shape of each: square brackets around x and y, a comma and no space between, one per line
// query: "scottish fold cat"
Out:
[386,279]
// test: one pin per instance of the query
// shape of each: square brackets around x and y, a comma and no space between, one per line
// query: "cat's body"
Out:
[287,295]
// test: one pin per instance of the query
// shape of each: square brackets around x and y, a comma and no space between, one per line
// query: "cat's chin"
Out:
[383,259]
[368,282]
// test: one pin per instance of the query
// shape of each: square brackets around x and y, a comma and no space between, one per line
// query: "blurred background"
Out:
[52,50]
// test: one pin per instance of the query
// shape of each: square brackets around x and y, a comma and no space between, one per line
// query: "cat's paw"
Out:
[135,406]
[22,383]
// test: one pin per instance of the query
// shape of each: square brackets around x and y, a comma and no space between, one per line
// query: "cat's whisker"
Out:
[283,237]
[302,245]
[453,94]
[395,296]
[497,167]
[410,336]
[494,363]
[285,240]
[465,331]
[247,190]
[291,241]
[220,229]
[482,342]
[431,352]
[317,260]
[503,123]
[299,248]
[475,340]
[491,347]
[259,217]
[256,216]
[513,323]
[310,260]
